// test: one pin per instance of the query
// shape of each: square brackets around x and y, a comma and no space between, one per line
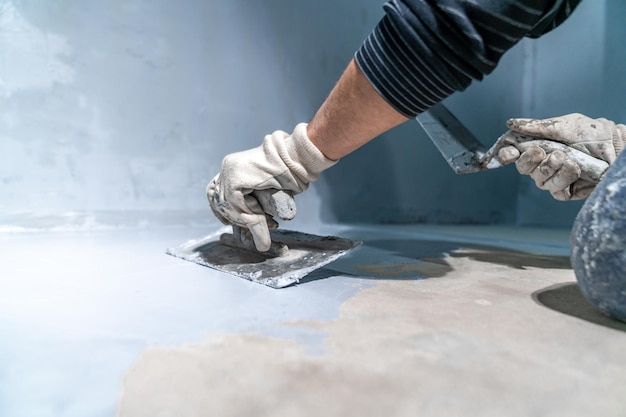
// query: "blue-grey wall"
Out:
[129,106]
[579,67]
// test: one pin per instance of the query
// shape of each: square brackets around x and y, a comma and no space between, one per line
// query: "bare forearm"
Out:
[352,115]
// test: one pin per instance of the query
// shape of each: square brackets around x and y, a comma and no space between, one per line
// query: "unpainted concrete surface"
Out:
[482,336]
[419,320]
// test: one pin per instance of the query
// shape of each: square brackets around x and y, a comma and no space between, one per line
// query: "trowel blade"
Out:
[457,145]
[307,252]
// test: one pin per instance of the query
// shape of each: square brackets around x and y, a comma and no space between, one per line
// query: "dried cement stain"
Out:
[401,348]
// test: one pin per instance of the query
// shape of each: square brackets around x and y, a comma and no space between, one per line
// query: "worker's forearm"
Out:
[352,115]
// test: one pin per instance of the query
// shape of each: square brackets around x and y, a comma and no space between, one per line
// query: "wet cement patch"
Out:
[416,270]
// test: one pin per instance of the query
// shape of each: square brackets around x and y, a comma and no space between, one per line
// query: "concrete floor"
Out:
[420,320]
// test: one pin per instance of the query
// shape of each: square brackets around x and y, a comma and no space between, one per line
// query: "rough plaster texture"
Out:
[598,242]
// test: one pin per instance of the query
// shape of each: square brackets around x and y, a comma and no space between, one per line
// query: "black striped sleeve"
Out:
[424,50]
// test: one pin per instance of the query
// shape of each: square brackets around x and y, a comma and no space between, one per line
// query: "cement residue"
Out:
[402,348]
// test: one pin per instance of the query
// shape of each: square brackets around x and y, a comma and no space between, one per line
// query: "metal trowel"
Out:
[465,154]
[292,255]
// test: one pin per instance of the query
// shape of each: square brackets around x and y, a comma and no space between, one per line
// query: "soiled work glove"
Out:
[283,162]
[555,172]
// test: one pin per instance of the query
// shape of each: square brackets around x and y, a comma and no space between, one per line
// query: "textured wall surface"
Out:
[130,106]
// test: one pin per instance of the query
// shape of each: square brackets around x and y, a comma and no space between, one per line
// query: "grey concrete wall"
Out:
[402,178]
[130,106]
[578,67]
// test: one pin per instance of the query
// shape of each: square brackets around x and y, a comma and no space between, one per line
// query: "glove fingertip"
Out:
[561,195]
[529,160]
[261,235]
[508,154]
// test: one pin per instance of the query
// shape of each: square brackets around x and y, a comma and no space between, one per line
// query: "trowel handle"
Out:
[592,169]
[276,203]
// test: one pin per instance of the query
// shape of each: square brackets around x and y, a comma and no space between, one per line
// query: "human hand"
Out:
[557,171]
[283,162]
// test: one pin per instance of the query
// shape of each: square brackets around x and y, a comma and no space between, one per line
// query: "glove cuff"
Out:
[305,158]
[619,138]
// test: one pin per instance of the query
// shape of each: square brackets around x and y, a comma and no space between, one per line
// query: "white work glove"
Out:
[555,172]
[283,162]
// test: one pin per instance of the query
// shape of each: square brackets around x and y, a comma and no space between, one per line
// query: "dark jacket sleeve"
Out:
[424,50]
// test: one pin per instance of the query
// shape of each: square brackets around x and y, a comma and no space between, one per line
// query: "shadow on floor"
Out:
[414,259]
[567,299]
[513,259]
[405,259]
[323,273]
[435,249]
